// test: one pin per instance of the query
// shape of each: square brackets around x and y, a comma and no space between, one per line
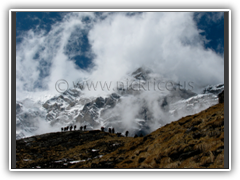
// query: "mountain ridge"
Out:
[195,141]
[149,109]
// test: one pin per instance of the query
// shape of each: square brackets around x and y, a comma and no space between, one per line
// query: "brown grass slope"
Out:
[195,141]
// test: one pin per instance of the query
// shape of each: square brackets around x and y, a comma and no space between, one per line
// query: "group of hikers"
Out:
[110,130]
[71,127]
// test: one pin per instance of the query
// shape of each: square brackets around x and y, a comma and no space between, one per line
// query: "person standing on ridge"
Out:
[126,133]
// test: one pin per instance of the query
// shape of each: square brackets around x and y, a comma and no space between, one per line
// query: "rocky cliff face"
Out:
[195,141]
[213,89]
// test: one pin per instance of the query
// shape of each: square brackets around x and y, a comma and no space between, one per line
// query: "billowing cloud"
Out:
[169,43]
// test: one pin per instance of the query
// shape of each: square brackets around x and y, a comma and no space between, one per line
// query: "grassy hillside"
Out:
[195,141]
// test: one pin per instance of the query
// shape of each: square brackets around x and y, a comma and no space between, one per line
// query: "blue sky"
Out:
[213,30]
[26,21]
[105,46]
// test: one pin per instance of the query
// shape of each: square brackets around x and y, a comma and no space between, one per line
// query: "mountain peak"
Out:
[214,89]
[141,73]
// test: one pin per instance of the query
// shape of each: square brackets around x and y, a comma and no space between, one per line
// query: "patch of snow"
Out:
[76,161]
[94,150]
[99,156]
[27,160]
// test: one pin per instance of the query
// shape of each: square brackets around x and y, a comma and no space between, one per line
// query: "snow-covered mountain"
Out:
[139,107]
[29,116]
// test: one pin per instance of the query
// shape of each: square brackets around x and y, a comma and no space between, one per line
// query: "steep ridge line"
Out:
[195,141]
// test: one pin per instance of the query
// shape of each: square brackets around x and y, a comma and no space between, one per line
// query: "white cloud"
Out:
[51,58]
[168,43]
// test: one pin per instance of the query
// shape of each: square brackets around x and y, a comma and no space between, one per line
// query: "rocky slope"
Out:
[195,141]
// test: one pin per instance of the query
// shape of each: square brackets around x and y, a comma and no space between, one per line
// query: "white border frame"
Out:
[113,10]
